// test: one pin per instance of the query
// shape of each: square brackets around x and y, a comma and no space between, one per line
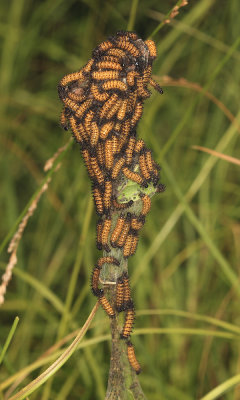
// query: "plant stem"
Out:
[123,382]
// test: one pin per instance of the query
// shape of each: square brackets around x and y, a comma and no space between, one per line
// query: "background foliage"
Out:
[188,260]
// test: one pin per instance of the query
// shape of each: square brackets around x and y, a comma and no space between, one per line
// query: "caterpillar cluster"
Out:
[103,103]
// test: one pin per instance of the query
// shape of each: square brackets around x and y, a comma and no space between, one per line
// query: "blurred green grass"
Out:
[186,247]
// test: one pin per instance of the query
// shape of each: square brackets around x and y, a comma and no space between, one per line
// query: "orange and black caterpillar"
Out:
[119,295]
[103,103]
[132,358]
[123,294]
[128,324]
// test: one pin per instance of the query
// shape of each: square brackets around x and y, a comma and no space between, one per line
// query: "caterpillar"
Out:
[94,136]
[121,206]
[71,78]
[151,48]
[117,230]
[107,195]
[128,324]
[106,129]
[109,64]
[100,154]
[124,232]
[97,94]
[131,243]
[115,142]
[137,222]
[78,131]
[139,146]
[107,260]
[97,171]
[99,234]
[71,105]
[134,176]
[82,108]
[117,167]
[109,154]
[132,358]
[108,104]
[119,294]
[114,109]
[144,168]
[106,305]
[141,90]
[88,124]
[103,47]
[77,96]
[94,282]
[87,160]
[151,165]
[137,113]
[128,245]
[122,110]
[105,75]
[127,300]
[106,226]
[135,239]
[64,120]
[129,150]
[131,76]
[128,46]
[98,200]
[146,202]
[125,132]
[155,85]
[117,53]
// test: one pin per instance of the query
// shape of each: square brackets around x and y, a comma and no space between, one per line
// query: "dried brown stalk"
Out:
[13,246]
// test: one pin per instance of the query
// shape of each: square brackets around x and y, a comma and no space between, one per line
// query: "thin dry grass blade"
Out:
[225,157]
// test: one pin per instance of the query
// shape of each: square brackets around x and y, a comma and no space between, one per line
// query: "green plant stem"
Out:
[116,384]
[132,15]
[9,338]
[223,388]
